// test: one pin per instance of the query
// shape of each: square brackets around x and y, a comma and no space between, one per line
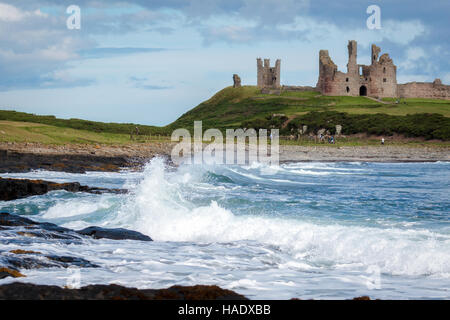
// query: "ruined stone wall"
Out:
[327,74]
[434,90]
[352,65]
[333,82]
[381,75]
[268,77]
[336,83]
[377,80]
[259,73]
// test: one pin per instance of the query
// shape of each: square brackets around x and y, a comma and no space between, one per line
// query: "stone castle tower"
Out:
[376,80]
[268,77]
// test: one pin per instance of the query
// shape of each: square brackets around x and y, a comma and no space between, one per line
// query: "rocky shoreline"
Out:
[24,157]
[27,291]
[13,262]
[12,189]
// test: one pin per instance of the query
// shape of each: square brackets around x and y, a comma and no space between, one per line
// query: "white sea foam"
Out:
[261,255]
[158,208]
[77,207]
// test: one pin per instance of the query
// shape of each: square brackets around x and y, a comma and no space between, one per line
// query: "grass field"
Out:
[248,107]
[93,126]
[13,131]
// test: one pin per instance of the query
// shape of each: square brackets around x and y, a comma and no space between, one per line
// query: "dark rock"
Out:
[36,260]
[66,261]
[12,220]
[53,227]
[27,262]
[114,234]
[33,228]
[12,189]
[27,291]
[52,231]
[26,259]
[42,233]
[198,292]
[75,163]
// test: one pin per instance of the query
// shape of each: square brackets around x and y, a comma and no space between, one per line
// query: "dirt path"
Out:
[378,100]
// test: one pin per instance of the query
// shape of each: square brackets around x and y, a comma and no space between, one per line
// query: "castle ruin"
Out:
[434,90]
[377,80]
[268,77]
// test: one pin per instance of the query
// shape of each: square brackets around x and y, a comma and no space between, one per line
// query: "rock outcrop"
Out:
[114,234]
[52,231]
[27,291]
[11,161]
[12,189]
[12,262]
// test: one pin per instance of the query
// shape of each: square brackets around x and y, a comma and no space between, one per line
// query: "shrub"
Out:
[429,126]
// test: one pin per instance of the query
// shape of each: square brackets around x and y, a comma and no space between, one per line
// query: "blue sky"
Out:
[150,61]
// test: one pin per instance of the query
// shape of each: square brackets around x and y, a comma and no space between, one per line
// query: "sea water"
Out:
[306,230]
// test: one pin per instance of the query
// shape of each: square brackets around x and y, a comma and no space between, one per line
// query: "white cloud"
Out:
[34,44]
[404,78]
[413,55]
[10,13]
[402,32]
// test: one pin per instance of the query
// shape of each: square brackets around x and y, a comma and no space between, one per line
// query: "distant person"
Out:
[382,141]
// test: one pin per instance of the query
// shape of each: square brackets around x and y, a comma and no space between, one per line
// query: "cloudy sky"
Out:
[150,61]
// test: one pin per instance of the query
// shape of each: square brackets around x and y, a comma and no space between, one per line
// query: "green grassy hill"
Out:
[13,131]
[94,126]
[247,107]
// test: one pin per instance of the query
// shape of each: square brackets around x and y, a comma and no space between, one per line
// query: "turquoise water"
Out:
[308,230]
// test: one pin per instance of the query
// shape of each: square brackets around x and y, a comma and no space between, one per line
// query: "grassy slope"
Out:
[119,128]
[13,131]
[232,106]
[229,107]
